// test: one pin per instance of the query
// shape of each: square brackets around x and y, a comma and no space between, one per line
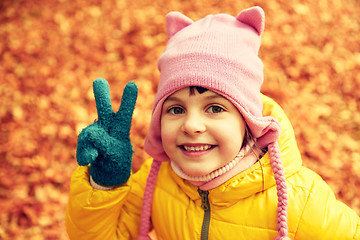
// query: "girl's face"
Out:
[200,132]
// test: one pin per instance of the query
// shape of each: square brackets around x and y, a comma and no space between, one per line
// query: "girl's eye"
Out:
[176,110]
[215,109]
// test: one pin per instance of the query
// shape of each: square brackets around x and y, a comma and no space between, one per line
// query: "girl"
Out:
[225,164]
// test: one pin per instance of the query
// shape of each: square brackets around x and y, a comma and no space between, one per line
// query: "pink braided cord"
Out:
[147,201]
[278,169]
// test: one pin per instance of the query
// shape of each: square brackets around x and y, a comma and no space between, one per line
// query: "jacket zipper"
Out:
[205,205]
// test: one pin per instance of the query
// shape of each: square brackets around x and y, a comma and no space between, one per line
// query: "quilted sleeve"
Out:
[324,217]
[98,214]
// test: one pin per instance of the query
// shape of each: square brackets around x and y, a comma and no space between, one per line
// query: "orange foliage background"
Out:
[51,51]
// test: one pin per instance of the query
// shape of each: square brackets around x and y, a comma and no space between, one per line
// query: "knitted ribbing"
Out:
[278,170]
[147,201]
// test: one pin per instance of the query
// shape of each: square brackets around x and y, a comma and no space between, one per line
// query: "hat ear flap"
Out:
[176,21]
[254,17]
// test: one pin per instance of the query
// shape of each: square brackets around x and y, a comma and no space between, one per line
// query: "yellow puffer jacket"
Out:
[244,207]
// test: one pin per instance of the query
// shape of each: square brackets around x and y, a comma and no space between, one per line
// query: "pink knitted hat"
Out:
[220,53]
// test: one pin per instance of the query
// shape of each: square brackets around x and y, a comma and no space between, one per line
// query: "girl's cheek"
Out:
[166,134]
[166,137]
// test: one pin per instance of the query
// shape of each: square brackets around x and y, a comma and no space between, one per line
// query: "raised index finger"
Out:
[103,101]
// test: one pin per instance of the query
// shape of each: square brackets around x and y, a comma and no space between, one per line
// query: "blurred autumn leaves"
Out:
[51,51]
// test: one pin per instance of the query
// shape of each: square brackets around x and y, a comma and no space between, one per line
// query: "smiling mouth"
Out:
[196,148]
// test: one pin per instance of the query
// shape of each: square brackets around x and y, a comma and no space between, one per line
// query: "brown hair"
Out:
[198,89]
[248,137]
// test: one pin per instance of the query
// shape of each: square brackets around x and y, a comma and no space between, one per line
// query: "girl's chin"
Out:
[197,172]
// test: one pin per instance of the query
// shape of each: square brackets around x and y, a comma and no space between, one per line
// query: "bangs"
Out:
[198,89]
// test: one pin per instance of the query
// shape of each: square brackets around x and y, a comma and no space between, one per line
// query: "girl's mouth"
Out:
[197,148]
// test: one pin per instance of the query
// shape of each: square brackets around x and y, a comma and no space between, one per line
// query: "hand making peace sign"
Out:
[105,144]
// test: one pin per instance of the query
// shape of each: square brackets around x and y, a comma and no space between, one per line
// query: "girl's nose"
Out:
[193,124]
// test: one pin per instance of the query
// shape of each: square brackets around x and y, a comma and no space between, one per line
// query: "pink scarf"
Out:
[244,160]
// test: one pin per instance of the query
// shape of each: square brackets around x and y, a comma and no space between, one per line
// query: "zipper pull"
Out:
[204,199]
[205,205]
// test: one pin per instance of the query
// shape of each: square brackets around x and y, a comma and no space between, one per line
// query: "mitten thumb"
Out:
[86,153]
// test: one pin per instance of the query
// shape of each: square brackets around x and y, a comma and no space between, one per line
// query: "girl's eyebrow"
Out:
[214,96]
[172,98]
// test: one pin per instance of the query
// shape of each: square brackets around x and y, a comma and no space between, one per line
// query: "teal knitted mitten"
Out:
[105,144]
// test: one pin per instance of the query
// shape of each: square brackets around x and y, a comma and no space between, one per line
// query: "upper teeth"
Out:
[197,148]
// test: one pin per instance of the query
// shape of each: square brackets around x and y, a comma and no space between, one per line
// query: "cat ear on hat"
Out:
[175,21]
[254,17]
